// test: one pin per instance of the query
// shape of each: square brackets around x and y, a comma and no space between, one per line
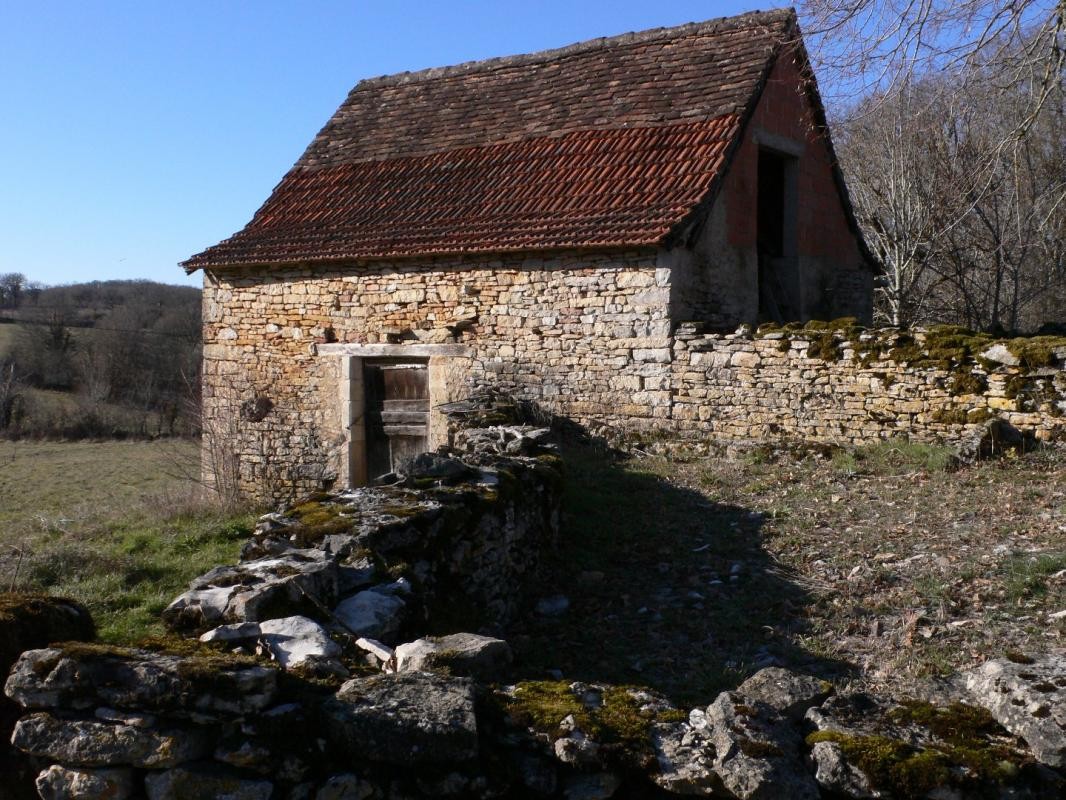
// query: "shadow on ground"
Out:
[667,589]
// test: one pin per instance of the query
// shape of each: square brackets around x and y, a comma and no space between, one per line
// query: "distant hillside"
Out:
[100,359]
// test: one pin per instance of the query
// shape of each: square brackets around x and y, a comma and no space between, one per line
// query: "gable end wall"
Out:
[716,279]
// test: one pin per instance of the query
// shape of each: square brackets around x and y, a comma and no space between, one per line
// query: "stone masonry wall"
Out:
[851,387]
[584,335]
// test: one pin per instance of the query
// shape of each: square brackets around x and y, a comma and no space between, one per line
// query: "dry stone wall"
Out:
[848,386]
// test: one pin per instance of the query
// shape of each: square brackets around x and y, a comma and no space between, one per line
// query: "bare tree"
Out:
[10,395]
[11,288]
[887,152]
[968,231]
[864,46]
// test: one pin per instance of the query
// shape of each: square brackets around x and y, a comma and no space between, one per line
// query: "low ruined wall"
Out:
[849,386]
[296,672]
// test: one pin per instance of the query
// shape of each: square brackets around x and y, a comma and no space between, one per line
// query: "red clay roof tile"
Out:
[606,143]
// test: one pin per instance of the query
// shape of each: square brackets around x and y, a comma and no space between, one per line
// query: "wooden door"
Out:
[397,413]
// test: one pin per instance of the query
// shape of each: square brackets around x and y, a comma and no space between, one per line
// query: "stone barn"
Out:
[539,223]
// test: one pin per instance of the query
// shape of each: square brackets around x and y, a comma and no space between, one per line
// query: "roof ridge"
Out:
[716,25]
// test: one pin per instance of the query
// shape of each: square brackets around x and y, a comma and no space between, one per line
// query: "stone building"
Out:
[542,223]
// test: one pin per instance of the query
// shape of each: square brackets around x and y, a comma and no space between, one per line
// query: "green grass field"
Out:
[119,526]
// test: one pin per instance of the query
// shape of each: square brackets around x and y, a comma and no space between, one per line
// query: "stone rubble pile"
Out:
[450,544]
[107,722]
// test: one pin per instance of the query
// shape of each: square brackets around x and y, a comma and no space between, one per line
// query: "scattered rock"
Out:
[787,692]
[1027,699]
[293,583]
[404,718]
[60,783]
[466,654]
[577,750]
[756,750]
[1001,354]
[685,760]
[381,654]
[292,641]
[372,614]
[437,467]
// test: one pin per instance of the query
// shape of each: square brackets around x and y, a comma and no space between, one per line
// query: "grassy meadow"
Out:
[121,526]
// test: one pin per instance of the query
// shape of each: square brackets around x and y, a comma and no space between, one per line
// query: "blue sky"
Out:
[135,134]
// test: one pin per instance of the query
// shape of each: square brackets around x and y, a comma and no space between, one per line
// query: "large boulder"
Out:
[92,743]
[787,692]
[1028,699]
[757,750]
[404,718]
[86,676]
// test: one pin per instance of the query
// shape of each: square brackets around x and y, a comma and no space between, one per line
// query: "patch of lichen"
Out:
[891,764]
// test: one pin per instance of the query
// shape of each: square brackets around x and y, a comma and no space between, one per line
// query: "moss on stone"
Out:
[957,724]
[967,383]
[950,416]
[619,720]
[1036,352]
[961,754]
[317,519]
[825,346]
[543,705]
[891,764]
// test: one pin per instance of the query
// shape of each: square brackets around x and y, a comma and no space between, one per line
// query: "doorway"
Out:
[780,297]
[397,413]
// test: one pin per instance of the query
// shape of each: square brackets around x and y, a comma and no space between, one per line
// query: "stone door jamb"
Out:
[353,469]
